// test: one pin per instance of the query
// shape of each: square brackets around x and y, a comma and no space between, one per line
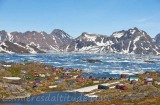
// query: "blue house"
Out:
[133,78]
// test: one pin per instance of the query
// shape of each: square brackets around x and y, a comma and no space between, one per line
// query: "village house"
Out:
[67,75]
[133,78]
[27,77]
[35,74]
[80,79]
[148,81]
[123,75]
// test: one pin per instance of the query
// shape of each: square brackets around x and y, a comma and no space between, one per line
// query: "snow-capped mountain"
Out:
[9,47]
[157,39]
[133,41]
[46,42]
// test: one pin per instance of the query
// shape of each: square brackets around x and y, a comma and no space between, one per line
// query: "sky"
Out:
[77,16]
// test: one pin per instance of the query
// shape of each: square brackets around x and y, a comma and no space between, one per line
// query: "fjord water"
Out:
[111,63]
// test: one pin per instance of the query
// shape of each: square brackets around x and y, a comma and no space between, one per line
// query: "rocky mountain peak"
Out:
[157,39]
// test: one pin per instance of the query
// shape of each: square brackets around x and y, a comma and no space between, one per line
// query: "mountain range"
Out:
[133,41]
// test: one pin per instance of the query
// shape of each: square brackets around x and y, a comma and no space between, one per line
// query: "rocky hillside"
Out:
[46,42]
[9,47]
[133,41]
[157,39]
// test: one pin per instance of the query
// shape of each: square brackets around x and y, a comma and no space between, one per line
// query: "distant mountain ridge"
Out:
[134,41]
[53,42]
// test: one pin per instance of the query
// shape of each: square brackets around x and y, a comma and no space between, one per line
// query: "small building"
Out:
[56,78]
[75,76]
[121,87]
[123,75]
[103,87]
[91,77]
[37,80]
[51,87]
[117,86]
[95,82]
[42,75]
[133,78]
[27,77]
[35,74]
[56,70]
[7,65]
[148,81]
[124,87]
[67,73]
[35,84]
[48,74]
[80,79]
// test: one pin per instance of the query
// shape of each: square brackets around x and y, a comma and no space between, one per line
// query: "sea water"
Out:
[111,63]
